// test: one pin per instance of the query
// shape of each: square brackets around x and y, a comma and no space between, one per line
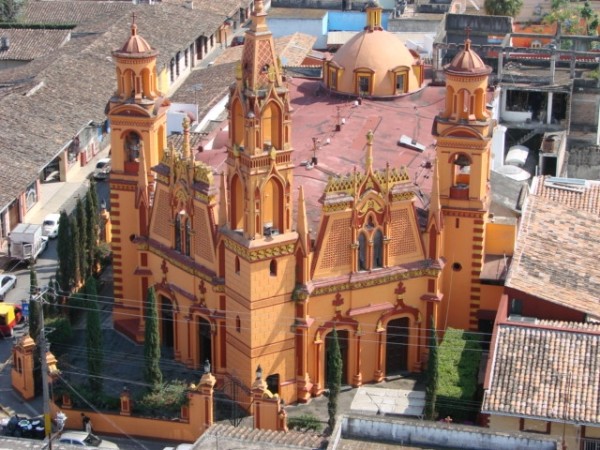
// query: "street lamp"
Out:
[206,366]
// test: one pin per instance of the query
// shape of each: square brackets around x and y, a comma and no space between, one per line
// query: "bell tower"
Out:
[463,131]
[258,243]
[137,115]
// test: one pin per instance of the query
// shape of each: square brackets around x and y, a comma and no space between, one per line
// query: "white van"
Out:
[102,169]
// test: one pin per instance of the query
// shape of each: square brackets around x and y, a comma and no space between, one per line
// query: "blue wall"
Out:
[351,21]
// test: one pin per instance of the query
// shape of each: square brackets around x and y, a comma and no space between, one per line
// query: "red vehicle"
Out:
[10,316]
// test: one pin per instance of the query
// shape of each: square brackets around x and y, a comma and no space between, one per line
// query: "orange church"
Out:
[256,254]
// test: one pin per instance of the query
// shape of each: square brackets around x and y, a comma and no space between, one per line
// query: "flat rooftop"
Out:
[316,114]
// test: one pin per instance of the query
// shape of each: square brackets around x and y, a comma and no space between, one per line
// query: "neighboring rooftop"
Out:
[562,385]
[27,44]
[583,195]
[228,437]
[556,254]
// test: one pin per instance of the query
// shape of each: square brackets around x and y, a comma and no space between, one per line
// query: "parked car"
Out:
[50,225]
[180,447]
[10,316]
[7,282]
[83,439]
[102,169]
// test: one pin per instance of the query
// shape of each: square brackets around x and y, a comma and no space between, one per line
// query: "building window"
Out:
[362,252]
[516,307]
[172,70]
[363,85]
[333,78]
[400,83]
[177,58]
[238,324]
[132,147]
[183,233]
[273,268]
[186,57]
[378,249]
[237,265]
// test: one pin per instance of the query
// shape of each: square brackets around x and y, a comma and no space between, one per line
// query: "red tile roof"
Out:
[584,197]
[546,370]
[315,115]
[556,255]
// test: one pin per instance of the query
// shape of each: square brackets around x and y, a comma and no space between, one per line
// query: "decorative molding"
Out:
[261,253]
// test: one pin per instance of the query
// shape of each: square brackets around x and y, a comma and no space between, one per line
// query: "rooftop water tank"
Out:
[516,156]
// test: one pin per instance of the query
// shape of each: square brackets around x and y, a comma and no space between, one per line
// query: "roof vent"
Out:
[4,43]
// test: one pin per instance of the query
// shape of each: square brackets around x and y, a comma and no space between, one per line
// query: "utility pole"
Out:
[45,388]
[44,364]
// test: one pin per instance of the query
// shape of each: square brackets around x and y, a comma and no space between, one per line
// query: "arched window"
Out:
[178,232]
[273,268]
[132,146]
[183,233]
[378,249]
[237,265]
[238,324]
[362,252]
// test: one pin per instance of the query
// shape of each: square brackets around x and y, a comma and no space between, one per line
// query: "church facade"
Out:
[243,281]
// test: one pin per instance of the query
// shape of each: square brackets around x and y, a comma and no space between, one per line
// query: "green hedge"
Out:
[459,358]
[37,26]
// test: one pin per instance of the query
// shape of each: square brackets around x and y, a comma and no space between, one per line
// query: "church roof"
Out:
[136,44]
[468,62]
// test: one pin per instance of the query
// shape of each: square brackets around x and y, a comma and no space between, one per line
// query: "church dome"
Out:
[374,63]
[467,62]
[136,45]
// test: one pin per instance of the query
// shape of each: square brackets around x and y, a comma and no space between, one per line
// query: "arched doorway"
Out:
[343,339]
[396,349]
[166,321]
[204,340]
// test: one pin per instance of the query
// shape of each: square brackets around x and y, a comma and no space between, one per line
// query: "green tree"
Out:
[152,373]
[34,312]
[503,7]
[9,9]
[82,228]
[95,355]
[64,248]
[93,228]
[76,251]
[334,376]
[432,375]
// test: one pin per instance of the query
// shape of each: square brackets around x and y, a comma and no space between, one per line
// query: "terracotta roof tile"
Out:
[584,198]
[28,44]
[556,255]
[256,439]
[35,128]
[546,373]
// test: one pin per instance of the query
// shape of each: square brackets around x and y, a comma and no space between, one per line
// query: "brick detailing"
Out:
[337,249]
[476,264]
[402,241]
[161,225]
[202,236]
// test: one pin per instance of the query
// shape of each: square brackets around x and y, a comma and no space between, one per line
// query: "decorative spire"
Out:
[186,139]
[302,222]
[142,172]
[369,158]
[435,207]
[223,206]
[259,17]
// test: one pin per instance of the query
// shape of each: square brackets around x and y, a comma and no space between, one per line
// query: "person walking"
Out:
[87,423]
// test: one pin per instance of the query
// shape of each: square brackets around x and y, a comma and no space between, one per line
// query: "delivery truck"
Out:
[26,242]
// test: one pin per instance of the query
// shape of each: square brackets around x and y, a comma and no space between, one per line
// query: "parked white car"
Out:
[50,225]
[102,169]
[87,440]
[7,282]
